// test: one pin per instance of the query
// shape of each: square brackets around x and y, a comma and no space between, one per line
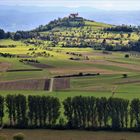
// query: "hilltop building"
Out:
[74,15]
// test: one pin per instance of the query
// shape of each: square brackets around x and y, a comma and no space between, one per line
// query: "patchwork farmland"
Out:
[110,68]
[64,64]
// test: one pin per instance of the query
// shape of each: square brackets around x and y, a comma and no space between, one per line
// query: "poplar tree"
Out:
[1,110]
[11,109]
[135,113]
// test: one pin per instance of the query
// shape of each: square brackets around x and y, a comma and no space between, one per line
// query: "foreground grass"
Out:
[123,92]
[71,135]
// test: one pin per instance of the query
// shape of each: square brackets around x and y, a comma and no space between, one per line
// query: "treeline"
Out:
[34,112]
[134,46]
[7,46]
[4,35]
[8,55]
[18,35]
[29,61]
[123,28]
[131,46]
[77,75]
[79,113]
[25,35]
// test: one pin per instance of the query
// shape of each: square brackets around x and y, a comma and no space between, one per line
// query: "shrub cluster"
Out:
[123,28]
[7,46]
[7,55]
[77,75]
[29,61]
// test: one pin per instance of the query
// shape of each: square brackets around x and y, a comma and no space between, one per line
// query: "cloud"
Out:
[99,4]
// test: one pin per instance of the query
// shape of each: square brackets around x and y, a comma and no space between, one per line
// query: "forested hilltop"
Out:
[75,31]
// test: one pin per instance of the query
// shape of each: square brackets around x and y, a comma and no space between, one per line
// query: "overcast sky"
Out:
[98,4]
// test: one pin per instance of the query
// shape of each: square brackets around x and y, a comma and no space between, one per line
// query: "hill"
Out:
[76,31]
[97,57]
[73,20]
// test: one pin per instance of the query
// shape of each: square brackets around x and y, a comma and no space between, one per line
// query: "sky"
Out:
[98,4]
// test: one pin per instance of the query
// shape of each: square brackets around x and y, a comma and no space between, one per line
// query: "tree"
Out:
[30,108]
[118,111]
[21,109]
[103,112]
[1,109]
[11,108]
[8,35]
[135,113]
[43,110]
[68,111]
[126,56]
[17,36]
[125,75]
[81,112]
[2,34]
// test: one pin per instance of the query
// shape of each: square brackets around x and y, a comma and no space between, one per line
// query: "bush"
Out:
[80,74]
[125,75]
[127,56]
[18,136]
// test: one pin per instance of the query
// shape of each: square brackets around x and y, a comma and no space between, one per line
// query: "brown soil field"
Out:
[61,83]
[35,84]
[39,65]
[4,66]
[71,135]
[28,84]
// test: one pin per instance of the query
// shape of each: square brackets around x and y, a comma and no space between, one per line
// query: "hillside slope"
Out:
[75,31]
[72,21]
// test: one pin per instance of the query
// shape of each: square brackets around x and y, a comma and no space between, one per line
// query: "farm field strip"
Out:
[56,61]
[71,135]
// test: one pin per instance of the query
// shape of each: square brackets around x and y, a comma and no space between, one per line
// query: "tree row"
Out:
[19,111]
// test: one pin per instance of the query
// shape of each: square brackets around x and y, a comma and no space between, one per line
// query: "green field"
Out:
[110,66]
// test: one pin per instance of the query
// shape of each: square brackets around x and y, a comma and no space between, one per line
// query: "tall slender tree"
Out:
[1,110]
